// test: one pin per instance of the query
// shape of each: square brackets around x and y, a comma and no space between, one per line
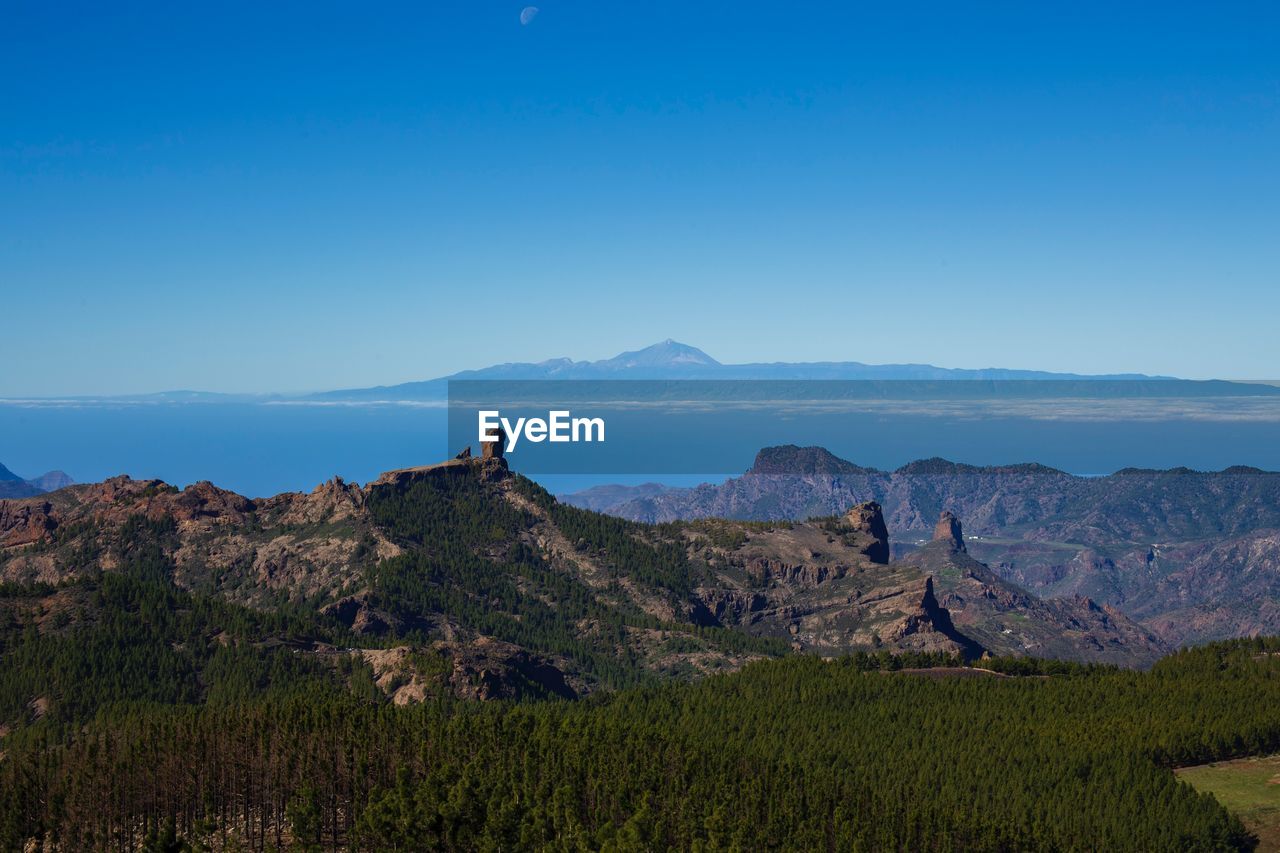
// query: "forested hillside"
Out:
[795,754]
[195,670]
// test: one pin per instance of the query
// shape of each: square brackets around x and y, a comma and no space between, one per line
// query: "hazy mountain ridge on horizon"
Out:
[666,360]
[673,360]
[14,486]
[807,461]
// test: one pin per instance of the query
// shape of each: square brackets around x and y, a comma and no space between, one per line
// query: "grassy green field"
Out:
[1249,787]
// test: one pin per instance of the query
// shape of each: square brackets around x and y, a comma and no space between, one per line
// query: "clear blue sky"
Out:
[290,196]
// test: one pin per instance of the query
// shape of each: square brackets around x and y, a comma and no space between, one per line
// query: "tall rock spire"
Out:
[868,518]
[948,529]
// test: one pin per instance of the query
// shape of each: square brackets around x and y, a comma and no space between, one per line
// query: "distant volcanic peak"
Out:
[666,353]
[52,481]
[14,486]
[799,461]
[948,529]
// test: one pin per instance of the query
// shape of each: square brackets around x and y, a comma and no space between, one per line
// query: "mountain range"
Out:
[1194,556]
[463,578]
[672,360]
[13,486]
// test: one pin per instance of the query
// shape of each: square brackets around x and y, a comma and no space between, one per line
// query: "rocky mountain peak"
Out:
[203,503]
[332,500]
[51,481]
[868,518]
[948,530]
[668,353]
[13,486]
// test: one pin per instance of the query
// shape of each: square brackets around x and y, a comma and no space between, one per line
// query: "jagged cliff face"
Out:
[1189,554]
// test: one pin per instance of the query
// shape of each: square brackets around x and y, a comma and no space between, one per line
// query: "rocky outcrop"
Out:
[868,518]
[489,669]
[928,627]
[728,606]
[22,523]
[121,490]
[483,669]
[200,505]
[824,587]
[204,503]
[404,477]
[488,467]
[254,551]
[494,449]
[358,614]
[1008,620]
[764,571]
[333,500]
[949,530]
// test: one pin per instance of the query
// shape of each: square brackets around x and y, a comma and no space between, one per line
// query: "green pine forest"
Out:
[176,720]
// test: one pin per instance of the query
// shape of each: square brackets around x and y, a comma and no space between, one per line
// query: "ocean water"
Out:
[261,449]
[254,449]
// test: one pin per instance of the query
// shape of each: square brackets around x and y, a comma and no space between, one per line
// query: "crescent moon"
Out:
[527,14]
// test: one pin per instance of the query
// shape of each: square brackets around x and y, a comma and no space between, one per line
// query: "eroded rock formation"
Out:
[949,530]
[868,518]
